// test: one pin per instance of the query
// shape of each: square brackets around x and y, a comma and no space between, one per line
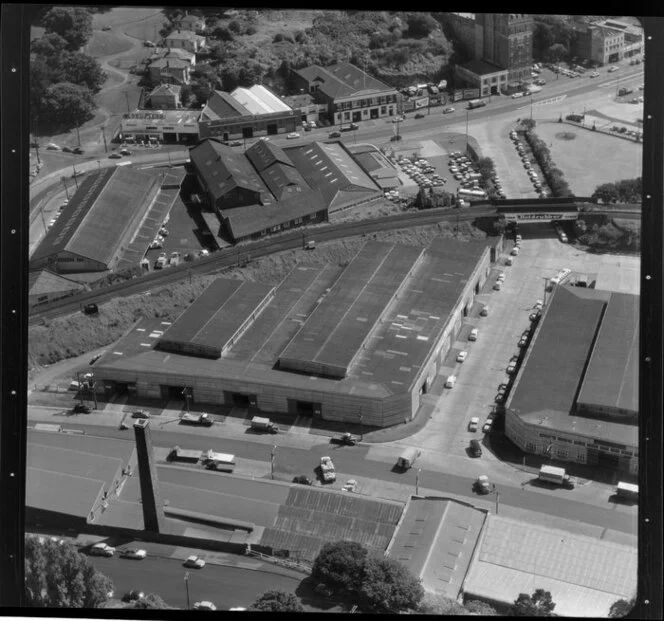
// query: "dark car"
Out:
[66,149]
[395,138]
[115,156]
[106,28]
[354,126]
[90,309]
[419,115]
[81,408]
[303,480]
[475,448]
[78,151]
[335,135]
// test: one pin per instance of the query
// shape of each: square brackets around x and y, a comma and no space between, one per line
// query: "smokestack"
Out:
[153,507]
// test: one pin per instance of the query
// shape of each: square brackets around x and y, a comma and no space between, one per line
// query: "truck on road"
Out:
[327,469]
[203,420]
[347,439]
[258,423]
[476,103]
[625,91]
[407,458]
[555,476]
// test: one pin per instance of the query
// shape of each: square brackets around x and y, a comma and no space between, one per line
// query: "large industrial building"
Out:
[331,343]
[247,113]
[576,396]
[98,223]
[267,188]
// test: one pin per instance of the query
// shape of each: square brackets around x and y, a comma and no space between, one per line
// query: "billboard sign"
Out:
[458,95]
[471,93]
[421,103]
[540,217]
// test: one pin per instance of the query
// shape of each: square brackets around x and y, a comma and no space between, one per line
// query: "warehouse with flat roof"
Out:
[98,224]
[326,342]
[575,397]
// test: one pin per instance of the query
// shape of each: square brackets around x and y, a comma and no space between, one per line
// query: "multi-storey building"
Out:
[505,40]
[598,44]
[351,94]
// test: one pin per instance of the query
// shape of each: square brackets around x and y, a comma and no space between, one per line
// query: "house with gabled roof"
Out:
[185,39]
[165,97]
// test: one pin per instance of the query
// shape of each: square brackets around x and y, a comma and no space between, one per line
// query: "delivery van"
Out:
[407,458]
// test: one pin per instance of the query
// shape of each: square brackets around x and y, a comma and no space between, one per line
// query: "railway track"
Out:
[231,257]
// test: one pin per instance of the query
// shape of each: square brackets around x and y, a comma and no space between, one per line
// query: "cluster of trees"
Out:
[381,585]
[624,191]
[487,169]
[553,175]
[401,47]
[277,601]
[606,233]
[553,37]
[432,199]
[57,575]
[63,79]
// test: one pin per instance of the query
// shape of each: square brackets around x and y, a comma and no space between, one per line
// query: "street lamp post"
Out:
[66,191]
[497,493]
[75,180]
[417,482]
[103,133]
[186,583]
[272,454]
[361,429]
[467,114]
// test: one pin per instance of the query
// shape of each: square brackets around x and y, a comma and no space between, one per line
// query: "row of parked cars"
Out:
[422,172]
[528,165]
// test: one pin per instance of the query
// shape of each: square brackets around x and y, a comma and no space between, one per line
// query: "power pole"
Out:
[103,133]
[274,448]
[127,98]
[186,583]
[75,180]
[467,115]
[64,182]
[78,136]
[417,482]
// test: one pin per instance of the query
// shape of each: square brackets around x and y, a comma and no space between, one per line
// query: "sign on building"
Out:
[421,103]
[539,217]
[471,93]
[457,95]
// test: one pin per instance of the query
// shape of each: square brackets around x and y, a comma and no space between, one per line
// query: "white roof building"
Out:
[259,100]
[584,575]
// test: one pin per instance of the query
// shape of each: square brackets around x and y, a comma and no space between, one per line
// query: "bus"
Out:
[476,103]
[472,194]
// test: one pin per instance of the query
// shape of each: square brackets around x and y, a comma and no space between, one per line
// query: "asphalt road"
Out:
[352,460]
[226,587]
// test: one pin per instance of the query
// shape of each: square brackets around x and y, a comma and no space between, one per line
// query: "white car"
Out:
[194,562]
[156,245]
[462,356]
[613,68]
[517,95]
[206,605]
[326,463]
[498,285]
[474,422]
[538,305]
[488,425]
[134,553]
[594,74]
[501,277]
[515,251]
[102,549]
[292,135]
[511,367]
[451,380]
[448,110]
[473,334]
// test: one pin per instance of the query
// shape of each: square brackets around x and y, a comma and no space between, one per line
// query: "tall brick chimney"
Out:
[153,507]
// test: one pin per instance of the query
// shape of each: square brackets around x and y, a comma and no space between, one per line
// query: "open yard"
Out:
[271,23]
[589,158]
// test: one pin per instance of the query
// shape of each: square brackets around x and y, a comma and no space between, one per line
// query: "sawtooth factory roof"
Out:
[393,352]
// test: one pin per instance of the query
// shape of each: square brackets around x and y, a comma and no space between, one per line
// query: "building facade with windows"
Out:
[350,94]
[168,126]
[186,40]
[598,44]
[165,97]
[247,113]
[169,71]
[488,78]
[506,40]
[575,397]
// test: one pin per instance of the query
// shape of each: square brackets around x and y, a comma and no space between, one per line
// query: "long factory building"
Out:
[328,342]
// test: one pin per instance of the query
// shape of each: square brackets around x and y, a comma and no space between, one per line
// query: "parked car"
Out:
[473,334]
[482,485]
[115,156]
[204,606]
[140,414]
[292,136]
[462,356]
[95,358]
[81,408]
[302,480]
[488,425]
[451,381]
[194,562]
[102,549]
[613,68]
[448,110]
[134,553]
[474,422]
[511,367]
[125,152]
[514,252]
[335,135]
[523,341]
[498,285]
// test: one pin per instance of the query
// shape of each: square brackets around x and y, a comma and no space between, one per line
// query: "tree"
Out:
[607,193]
[49,46]
[277,601]
[528,124]
[150,602]
[543,38]
[436,604]
[621,608]
[83,70]
[57,575]
[539,604]
[339,565]
[557,51]
[388,586]
[74,25]
[421,25]
[67,104]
